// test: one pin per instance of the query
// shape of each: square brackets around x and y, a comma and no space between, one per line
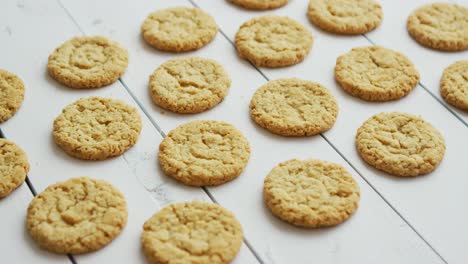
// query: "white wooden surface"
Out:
[395,215]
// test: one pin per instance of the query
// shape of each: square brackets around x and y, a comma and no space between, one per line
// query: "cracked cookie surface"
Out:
[179,29]
[442,26]
[76,216]
[204,153]
[454,85]
[11,94]
[311,193]
[345,16]
[260,4]
[273,41]
[189,85]
[14,166]
[400,144]
[97,128]
[192,232]
[88,62]
[294,107]
[376,73]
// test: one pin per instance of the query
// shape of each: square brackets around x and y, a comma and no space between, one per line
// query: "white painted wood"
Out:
[430,63]
[374,234]
[16,246]
[426,202]
[30,31]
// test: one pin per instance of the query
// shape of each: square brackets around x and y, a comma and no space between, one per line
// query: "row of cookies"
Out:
[441,26]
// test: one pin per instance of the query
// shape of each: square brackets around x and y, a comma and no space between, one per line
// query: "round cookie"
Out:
[345,16]
[14,166]
[76,216]
[12,94]
[400,144]
[294,107]
[376,73]
[454,85]
[88,62]
[442,26]
[97,128]
[204,153]
[260,4]
[192,232]
[189,85]
[273,41]
[179,29]
[311,193]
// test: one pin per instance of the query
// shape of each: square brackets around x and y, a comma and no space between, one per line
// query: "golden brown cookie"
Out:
[14,166]
[88,62]
[179,29]
[260,4]
[311,193]
[294,107]
[376,73]
[273,41]
[345,16]
[192,232]
[76,216]
[97,128]
[189,85]
[442,26]
[400,144]
[204,153]
[454,85]
[11,94]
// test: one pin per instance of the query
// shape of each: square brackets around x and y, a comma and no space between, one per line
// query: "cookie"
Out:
[179,29]
[204,153]
[189,85]
[400,144]
[345,16]
[76,216]
[294,107]
[311,193]
[14,166]
[88,62]
[273,41]
[97,128]
[454,85]
[12,94]
[192,232]
[442,26]
[376,73]
[260,4]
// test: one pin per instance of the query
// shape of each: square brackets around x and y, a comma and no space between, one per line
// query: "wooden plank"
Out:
[35,29]
[273,240]
[413,198]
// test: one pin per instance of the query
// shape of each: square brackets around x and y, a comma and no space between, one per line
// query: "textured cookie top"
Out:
[311,193]
[400,144]
[97,128]
[14,166]
[454,85]
[192,232]
[294,107]
[76,216]
[376,74]
[260,4]
[273,41]
[11,94]
[189,85]
[345,16]
[442,26]
[88,62]
[203,153]
[179,29]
